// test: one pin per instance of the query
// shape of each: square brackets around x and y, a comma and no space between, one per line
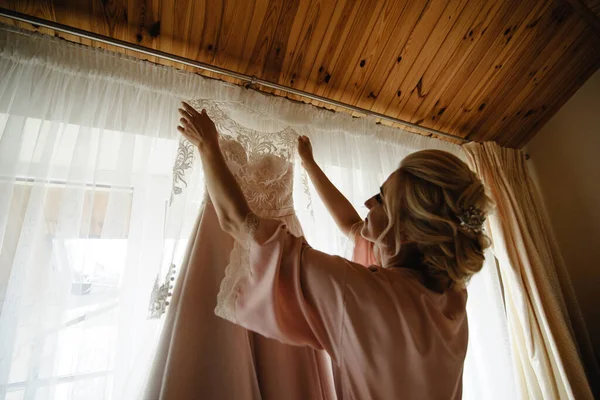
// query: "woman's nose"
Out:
[369,203]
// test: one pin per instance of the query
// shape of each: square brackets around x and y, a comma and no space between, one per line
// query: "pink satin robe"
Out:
[389,336]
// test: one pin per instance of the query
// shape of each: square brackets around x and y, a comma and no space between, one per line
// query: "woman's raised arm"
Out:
[342,211]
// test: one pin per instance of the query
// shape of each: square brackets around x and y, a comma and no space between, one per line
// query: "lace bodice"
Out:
[263,163]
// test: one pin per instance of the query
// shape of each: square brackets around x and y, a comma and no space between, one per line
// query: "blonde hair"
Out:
[424,200]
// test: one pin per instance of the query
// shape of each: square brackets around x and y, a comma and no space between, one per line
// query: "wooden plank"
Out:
[465,23]
[298,64]
[341,21]
[39,8]
[234,30]
[211,32]
[258,12]
[589,11]
[195,31]
[523,137]
[374,49]
[149,29]
[527,43]
[500,103]
[378,75]
[349,55]
[557,60]
[183,19]
[162,28]
[293,39]
[475,39]
[451,83]
[133,29]
[295,35]
[322,43]
[278,50]
[379,40]
[131,21]
[150,17]
[561,77]
[412,82]
[134,24]
[499,53]
[173,31]
[72,17]
[114,15]
[408,54]
[264,39]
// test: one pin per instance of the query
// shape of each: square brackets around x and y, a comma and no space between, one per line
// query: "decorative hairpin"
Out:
[471,219]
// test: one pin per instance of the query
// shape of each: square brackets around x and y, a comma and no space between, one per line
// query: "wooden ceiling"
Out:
[480,69]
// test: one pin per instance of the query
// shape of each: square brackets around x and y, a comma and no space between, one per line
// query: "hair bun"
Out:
[441,207]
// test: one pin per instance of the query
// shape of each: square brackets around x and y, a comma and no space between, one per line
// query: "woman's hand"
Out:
[224,190]
[305,151]
[197,127]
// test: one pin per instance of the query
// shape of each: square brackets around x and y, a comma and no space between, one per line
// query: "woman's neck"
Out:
[408,257]
[411,258]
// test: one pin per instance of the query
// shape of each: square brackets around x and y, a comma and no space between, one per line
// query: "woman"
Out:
[397,329]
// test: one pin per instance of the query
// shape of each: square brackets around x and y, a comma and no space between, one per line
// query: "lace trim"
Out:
[256,144]
[305,188]
[237,269]
[183,162]
[263,163]
[160,296]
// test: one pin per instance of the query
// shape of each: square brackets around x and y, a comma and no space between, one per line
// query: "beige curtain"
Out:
[548,337]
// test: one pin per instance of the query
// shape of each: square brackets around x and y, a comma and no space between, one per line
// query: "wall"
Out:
[565,162]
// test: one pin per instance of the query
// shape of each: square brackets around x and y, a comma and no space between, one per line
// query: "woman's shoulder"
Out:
[397,296]
[402,285]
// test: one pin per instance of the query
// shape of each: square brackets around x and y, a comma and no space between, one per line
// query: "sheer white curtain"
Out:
[98,197]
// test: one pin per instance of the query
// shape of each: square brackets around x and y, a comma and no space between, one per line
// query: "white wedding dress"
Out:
[201,356]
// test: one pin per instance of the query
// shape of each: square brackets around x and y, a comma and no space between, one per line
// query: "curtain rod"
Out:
[211,68]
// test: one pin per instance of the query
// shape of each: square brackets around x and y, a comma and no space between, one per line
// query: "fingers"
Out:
[185,122]
[187,134]
[192,111]
[191,114]
[305,141]
[182,128]
[184,113]
[194,125]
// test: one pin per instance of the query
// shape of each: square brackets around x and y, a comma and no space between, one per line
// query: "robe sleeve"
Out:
[280,287]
